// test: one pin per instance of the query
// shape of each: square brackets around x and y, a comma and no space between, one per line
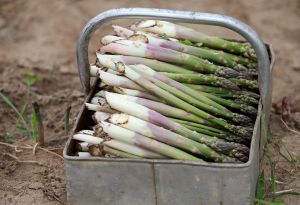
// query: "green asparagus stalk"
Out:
[202,79]
[206,129]
[144,113]
[131,137]
[248,98]
[232,59]
[132,149]
[201,130]
[183,96]
[180,32]
[153,131]
[243,83]
[219,90]
[244,108]
[135,93]
[118,153]
[108,61]
[134,48]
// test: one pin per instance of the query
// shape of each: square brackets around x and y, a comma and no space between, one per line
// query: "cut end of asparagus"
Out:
[96,150]
[143,24]
[100,116]
[110,39]
[87,132]
[139,37]
[118,119]
[94,70]
[92,107]
[120,67]
[122,32]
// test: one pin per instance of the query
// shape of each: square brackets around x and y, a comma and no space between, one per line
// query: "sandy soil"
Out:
[40,36]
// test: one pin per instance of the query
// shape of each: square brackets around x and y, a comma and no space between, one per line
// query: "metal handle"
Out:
[182,16]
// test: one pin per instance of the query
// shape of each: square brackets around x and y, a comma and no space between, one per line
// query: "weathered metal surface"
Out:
[116,181]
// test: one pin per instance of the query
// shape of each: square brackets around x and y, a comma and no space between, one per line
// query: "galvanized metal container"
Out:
[116,181]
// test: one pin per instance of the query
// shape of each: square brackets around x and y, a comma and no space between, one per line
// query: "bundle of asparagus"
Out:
[168,91]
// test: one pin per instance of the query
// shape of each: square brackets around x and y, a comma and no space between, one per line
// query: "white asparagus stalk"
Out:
[87,138]
[115,80]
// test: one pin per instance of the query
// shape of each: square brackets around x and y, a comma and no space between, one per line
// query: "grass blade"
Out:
[13,107]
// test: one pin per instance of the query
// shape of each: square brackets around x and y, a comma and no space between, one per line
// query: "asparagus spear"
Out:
[206,127]
[142,112]
[217,132]
[157,106]
[135,93]
[153,131]
[134,48]
[201,130]
[118,153]
[249,84]
[245,97]
[181,32]
[131,137]
[132,149]
[232,58]
[247,109]
[202,79]
[107,60]
[219,90]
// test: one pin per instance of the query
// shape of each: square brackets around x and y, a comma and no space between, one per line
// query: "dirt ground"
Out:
[41,35]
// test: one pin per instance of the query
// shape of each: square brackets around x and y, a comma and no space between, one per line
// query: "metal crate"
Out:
[117,181]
